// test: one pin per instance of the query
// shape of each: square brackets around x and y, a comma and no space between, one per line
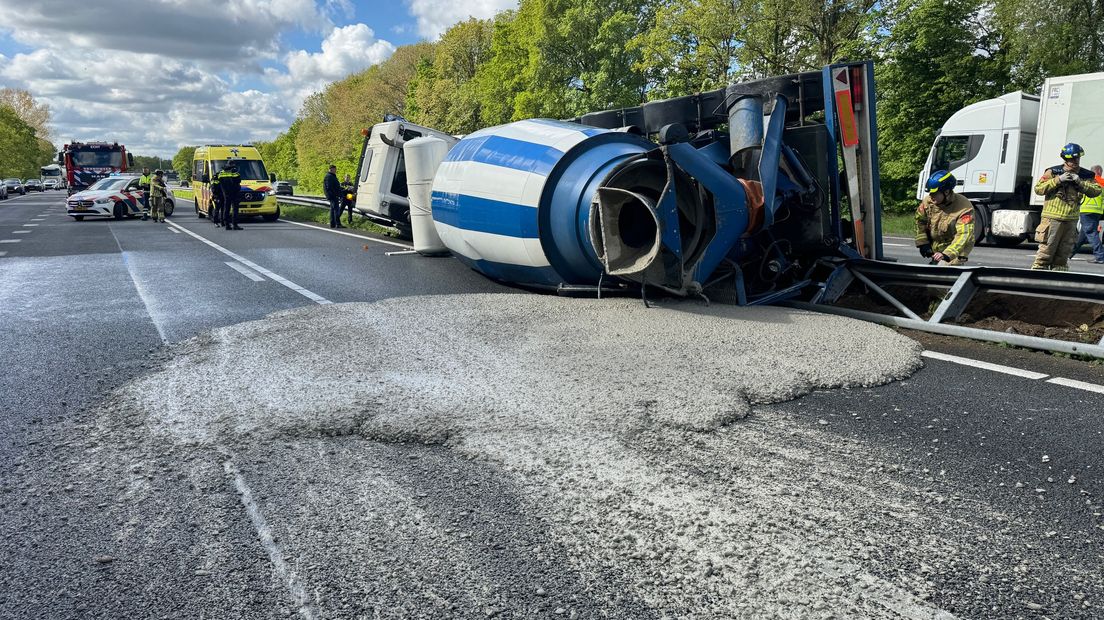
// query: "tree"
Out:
[1060,39]
[442,94]
[938,58]
[21,152]
[182,162]
[35,114]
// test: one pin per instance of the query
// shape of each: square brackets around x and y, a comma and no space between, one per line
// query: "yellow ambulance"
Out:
[258,186]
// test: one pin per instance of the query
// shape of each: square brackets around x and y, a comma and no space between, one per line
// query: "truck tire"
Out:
[982,219]
[271,217]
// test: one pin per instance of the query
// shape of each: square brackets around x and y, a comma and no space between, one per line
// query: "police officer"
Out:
[144,185]
[230,185]
[332,189]
[214,205]
[157,194]
[346,202]
[944,222]
[1064,187]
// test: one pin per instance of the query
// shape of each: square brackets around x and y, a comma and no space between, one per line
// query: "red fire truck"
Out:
[88,162]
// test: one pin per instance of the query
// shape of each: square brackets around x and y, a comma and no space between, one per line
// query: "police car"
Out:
[114,196]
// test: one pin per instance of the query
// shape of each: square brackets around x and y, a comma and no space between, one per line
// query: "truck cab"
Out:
[988,147]
[381,175]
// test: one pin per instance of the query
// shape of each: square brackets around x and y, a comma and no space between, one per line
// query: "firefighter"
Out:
[944,222]
[157,196]
[1064,187]
[229,182]
[144,185]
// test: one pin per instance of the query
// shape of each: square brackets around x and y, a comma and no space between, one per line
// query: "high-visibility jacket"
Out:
[1063,200]
[144,182]
[948,228]
[1094,204]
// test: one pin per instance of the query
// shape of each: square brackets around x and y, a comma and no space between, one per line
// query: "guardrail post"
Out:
[956,299]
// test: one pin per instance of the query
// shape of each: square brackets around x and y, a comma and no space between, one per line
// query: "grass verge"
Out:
[300,213]
[186,194]
[898,224]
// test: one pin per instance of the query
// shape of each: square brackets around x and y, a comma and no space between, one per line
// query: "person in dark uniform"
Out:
[144,185]
[230,186]
[214,206]
[346,202]
[331,187]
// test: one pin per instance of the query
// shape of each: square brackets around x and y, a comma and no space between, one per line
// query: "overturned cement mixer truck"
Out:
[739,185]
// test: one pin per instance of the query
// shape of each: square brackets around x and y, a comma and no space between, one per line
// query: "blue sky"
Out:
[197,71]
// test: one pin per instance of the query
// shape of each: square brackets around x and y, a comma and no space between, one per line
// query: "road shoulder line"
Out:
[1080,385]
[965,361]
[349,234]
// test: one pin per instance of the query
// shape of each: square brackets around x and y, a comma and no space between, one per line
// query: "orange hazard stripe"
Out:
[846,118]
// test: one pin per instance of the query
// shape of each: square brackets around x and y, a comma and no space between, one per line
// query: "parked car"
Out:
[116,197]
[283,188]
[15,186]
[50,184]
[33,185]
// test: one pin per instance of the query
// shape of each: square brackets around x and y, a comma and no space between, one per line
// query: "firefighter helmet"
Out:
[1072,151]
[940,181]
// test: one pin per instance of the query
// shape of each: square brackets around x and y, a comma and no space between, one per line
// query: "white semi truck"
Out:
[997,148]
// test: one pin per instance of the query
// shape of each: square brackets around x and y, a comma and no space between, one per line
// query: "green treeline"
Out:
[24,139]
[563,58]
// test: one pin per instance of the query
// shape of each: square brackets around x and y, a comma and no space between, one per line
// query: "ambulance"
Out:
[258,186]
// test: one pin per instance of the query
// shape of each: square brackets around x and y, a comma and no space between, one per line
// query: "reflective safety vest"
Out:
[1094,204]
[144,181]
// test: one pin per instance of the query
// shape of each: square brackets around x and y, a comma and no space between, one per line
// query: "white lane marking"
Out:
[1080,385]
[965,361]
[245,271]
[140,288]
[175,230]
[10,240]
[318,299]
[348,234]
[400,253]
[30,225]
[4,253]
[896,245]
[268,541]
[22,232]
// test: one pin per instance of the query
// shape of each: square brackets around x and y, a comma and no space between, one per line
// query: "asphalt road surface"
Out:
[965,490]
[904,250]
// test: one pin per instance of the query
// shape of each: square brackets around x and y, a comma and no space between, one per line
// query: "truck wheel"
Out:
[271,217]
[981,224]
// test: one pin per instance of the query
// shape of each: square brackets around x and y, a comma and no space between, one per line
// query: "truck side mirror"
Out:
[130,160]
[271,177]
[61,159]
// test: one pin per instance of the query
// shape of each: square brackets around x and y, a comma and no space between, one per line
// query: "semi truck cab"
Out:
[381,174]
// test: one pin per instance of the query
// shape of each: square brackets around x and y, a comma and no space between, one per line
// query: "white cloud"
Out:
[179,71]
[435,16]
[344,51]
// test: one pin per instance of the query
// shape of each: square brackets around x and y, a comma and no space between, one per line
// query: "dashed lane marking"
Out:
[316,298]
[245,271]
[1080,385]
[21,232]
[3,254]
[1018,372]
[30,225]
[896,245]
[965,361]
[175,230]
[10,240]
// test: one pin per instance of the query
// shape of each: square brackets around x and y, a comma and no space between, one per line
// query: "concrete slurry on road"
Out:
[503,455]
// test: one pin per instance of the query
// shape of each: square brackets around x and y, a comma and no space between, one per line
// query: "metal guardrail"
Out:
[306,201]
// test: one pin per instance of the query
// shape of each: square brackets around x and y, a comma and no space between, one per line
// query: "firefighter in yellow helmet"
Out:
[1064,187]
[944,222]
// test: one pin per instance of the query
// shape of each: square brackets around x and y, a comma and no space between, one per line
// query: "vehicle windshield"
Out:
[110,183]
[11,180]
[98,159]
[248,169]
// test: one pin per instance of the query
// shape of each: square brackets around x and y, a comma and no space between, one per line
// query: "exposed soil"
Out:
[1058,319]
